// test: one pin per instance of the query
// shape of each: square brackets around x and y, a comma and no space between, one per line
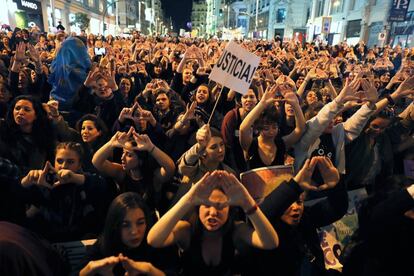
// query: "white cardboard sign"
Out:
[235,68]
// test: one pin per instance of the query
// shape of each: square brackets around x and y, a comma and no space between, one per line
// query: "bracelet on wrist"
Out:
[153,148]
[390,100]
[252,210]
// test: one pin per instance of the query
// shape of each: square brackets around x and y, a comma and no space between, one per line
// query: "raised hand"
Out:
[371,94]
[102,267]
[163,84]
[127,113]
[291,98]
[135,268]
[20,52]
[203,136]
[53,107]
[312,74]
[286,88]
[92,76]
[190,111]
[144,143]
[237,194]
[200,192]
[406,87]
[40,177]
[146,115]
[347,93]
[64,176]
[330,174]
[304,176]
[34,53]
[110,76]
[268,97]
[121,138]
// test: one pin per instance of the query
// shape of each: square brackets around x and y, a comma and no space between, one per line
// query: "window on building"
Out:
[280,15]
[242,22]
[319,8]
[110,7]
[351,5]
[91,3]
[353,28]
[337,6]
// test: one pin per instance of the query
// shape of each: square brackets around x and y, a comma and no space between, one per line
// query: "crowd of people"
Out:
[118,139]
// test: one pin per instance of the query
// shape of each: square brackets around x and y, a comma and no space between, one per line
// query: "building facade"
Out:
[199,17]
[355,20]
[284,18]
[105,16]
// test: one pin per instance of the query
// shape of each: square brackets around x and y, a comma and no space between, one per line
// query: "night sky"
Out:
[179,11]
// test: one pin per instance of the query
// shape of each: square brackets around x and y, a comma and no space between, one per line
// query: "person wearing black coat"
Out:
[299,250]
[384,246]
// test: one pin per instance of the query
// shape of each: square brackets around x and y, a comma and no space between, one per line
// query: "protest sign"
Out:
[261,181]
[334,237]
[235,68]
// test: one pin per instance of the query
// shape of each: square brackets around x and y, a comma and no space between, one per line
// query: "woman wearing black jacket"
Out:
[299,250]
[386,219]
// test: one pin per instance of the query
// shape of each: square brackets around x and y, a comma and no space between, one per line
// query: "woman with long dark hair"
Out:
[126,227]
[137,171]
[93,134]
[209,244]
[27,135]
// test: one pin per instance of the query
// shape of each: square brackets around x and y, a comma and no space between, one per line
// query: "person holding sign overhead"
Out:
[269,148]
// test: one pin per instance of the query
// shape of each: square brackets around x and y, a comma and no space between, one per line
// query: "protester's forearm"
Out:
[302,87]
[163,228]
[252,116]
[15,67]
[154,271]
[163,160]
[299,119]
[263,230]
[192,155]
[102,155]
[181,66]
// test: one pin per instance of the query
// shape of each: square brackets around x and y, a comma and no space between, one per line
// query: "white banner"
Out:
[235,68]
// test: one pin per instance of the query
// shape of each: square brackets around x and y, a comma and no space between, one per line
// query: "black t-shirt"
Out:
[326,148]
[254,157]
